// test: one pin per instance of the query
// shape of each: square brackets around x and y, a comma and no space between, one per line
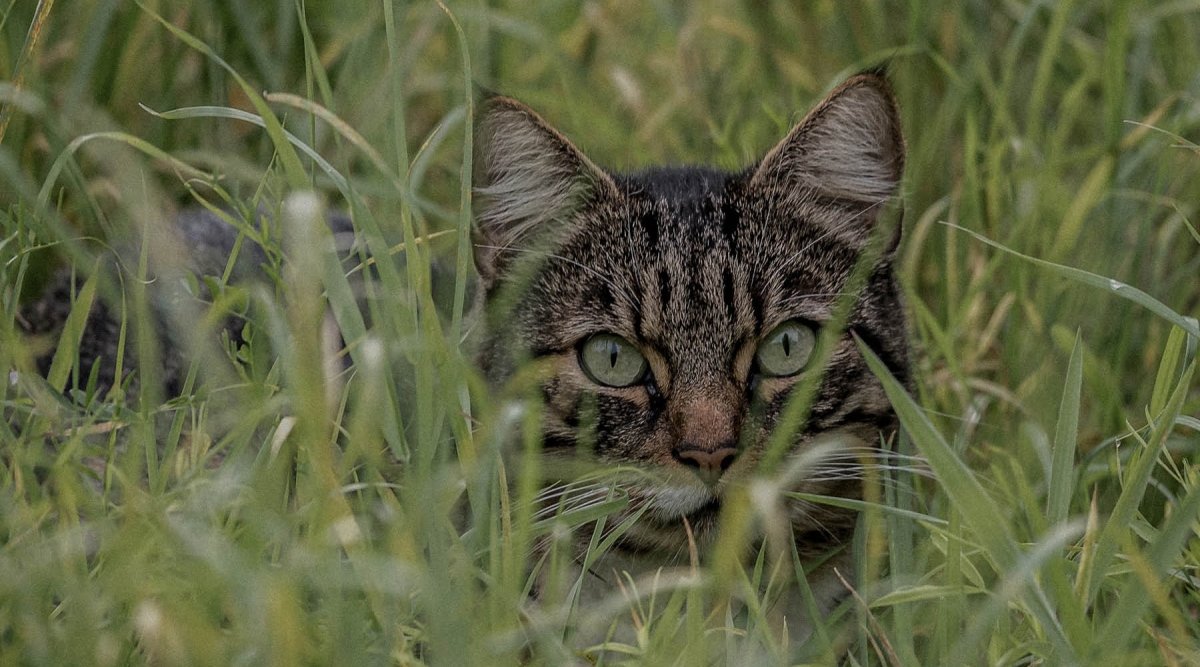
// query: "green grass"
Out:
[279,514]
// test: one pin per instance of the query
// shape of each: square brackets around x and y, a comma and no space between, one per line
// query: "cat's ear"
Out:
[849,148]
[527,176]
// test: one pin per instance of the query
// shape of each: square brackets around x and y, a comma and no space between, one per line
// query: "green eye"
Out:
[786,350]
[611,361]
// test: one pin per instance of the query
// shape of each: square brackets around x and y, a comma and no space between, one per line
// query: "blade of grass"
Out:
[902,553]
[237,114]
[1061,485]
[68,343]
[68,154]
[463,256]
[1050,44]
[922,592]
[1168,370]
[340,126]
[1018,580]
[40,18]
[1135,596]
[1136,481]
[1095,188]
[417,264]
[860,505]
[1188,324]
[968,496]
[462,261]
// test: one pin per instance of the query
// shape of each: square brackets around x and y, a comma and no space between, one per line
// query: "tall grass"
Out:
[301,502]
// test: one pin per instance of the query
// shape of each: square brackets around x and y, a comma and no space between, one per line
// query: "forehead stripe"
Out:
[649,220]
[730,304]
[664,289]
[730,220]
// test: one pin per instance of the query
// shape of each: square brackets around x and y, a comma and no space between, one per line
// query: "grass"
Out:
[1050,261]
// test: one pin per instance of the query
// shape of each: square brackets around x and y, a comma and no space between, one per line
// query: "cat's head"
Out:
[673,311]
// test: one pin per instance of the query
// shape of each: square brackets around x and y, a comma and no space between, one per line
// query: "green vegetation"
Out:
[1051,154]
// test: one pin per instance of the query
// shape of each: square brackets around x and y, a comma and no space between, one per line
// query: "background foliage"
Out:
[220,526]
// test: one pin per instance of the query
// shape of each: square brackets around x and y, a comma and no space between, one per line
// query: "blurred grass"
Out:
[283,510]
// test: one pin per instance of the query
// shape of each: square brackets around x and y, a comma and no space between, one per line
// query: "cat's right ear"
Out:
[528,177]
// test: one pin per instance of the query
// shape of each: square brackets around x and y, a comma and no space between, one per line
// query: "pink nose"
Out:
[708,465]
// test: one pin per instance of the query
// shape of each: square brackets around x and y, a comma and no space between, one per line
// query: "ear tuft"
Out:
[527,176]
[848,148]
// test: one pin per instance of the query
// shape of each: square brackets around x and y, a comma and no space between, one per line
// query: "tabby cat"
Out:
[673,312]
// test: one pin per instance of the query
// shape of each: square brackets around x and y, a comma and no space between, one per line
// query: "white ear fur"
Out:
[528,175]
[848,148]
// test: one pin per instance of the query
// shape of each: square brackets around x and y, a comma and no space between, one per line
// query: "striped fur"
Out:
[694,266]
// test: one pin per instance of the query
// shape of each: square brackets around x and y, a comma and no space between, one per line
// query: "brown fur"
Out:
[694,267]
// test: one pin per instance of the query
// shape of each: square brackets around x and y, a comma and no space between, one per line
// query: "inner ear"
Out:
[528,177]
[848,148]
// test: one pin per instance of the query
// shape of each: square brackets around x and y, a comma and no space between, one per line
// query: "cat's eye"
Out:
[612,361]
[786,350]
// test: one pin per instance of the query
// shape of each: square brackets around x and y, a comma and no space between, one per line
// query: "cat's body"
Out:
[675,311]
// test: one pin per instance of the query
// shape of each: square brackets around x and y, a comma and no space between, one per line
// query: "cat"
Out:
[673,312]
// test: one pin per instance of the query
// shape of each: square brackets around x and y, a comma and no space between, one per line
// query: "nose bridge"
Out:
[707,417]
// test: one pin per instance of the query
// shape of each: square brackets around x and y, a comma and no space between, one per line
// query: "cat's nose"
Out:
[707,464]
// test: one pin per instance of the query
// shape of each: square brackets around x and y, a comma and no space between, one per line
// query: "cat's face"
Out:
[673,312]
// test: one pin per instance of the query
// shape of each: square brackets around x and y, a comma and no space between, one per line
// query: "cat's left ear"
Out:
[530,180]
[848,149]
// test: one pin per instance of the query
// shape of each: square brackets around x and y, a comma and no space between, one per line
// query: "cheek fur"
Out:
[624,423]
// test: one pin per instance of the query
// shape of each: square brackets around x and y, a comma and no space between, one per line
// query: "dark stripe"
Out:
[558,442]
[730,305]
[840,381]
[571,419]
[664,288]
[738,343]
[600,293]
[822,412]
[614,414]
[636,314]
[539,351]
[756,310]
[649,220]
[730,221]
[860,415]
[797,282]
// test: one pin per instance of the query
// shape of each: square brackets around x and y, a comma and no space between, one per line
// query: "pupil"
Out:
[787,344]
[612,354]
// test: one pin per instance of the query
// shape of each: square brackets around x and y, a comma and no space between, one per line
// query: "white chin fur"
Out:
[675,501]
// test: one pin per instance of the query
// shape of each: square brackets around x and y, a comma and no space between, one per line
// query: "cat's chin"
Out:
[670,514]
[672,503]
